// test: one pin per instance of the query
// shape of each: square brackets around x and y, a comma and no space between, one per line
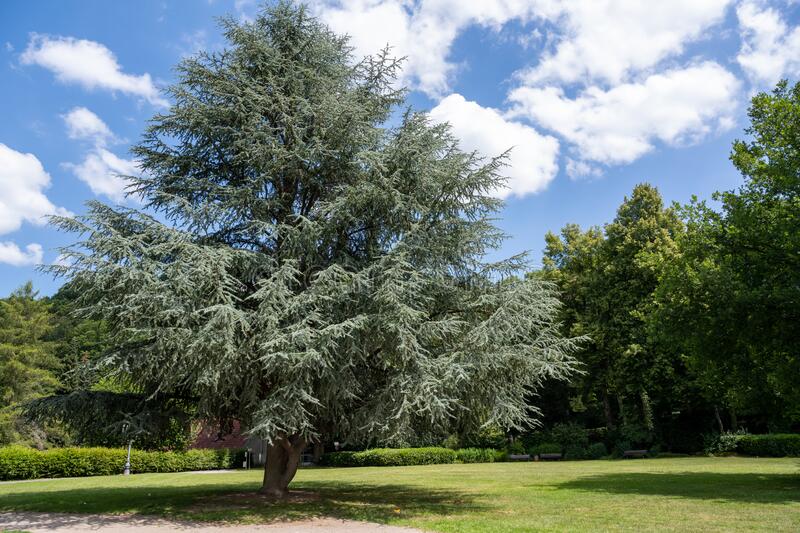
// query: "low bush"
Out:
[545,447]
[489,437]
[17,462]
[516,448]
[770,445]
[722,443]
[597,450]
[593,451]
[569,435]
[391,457]
[479,455]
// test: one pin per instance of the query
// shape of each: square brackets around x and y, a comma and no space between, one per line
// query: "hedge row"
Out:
[771,445]
[480,455]
[391,457]
[17,462]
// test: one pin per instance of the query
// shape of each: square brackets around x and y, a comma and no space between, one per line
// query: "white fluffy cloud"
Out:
[23,181]
[103,172]
[770,48]
[603,40]
[611,79]
[11,254]
[620,124]
[607,41]
[532,161]
[83,124]
[423,31]
[101,169]
[89,64]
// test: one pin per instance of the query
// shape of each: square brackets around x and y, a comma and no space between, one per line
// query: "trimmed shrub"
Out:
[478,455]
[546,447]
[17,462]
[596,451]
[391,457]
[490,437]
[770,445]
[593,451]
[452,442]
[575,453]
[569,435]
[339,459]
[516,448]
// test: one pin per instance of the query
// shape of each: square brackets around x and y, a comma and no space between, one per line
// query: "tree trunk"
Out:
[607,410]
[734,420]
[647,410]
[283,458]
[622,417]
[719,420]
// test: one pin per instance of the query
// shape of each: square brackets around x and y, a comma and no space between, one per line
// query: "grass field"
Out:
[687,494]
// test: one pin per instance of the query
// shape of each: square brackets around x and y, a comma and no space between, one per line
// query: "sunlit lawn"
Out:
[687,494]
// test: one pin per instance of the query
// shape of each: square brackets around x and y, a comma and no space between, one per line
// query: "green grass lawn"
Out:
[687,494]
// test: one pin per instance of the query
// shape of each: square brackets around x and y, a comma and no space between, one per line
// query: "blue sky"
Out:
[593,96]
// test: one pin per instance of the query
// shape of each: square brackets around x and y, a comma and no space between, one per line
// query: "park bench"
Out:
[633,454]
[519,457]
[549,456]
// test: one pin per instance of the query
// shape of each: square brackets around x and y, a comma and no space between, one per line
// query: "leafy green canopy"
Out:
[608,277]
[28,365]
[731,297]
[316,262]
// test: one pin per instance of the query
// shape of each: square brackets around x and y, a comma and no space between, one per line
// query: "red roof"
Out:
[209,437]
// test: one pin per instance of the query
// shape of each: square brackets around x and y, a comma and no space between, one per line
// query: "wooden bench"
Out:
[633,454]
[519,457]
[549,456]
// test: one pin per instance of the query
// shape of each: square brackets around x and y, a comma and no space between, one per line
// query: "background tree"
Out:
[731,297]
[318,268]
[28,365]
[607,278]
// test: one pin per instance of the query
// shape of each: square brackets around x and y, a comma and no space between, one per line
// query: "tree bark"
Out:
[607,411]
[622,418]
[718,419]
[283,458]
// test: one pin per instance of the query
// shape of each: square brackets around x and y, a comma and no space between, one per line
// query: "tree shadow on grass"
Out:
[749,488]
[384,503]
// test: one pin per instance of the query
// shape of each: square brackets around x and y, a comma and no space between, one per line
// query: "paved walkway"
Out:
[42,522]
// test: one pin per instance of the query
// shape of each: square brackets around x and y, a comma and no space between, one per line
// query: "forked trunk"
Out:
[283,458]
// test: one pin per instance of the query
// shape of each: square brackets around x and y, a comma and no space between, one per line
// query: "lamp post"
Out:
[127,468]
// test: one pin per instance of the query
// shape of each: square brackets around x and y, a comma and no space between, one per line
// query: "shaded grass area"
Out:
[686,494]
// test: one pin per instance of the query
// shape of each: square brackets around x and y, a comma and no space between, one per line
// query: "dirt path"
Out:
[40,522]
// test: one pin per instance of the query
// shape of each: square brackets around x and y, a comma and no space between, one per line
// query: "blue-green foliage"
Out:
[17,462]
